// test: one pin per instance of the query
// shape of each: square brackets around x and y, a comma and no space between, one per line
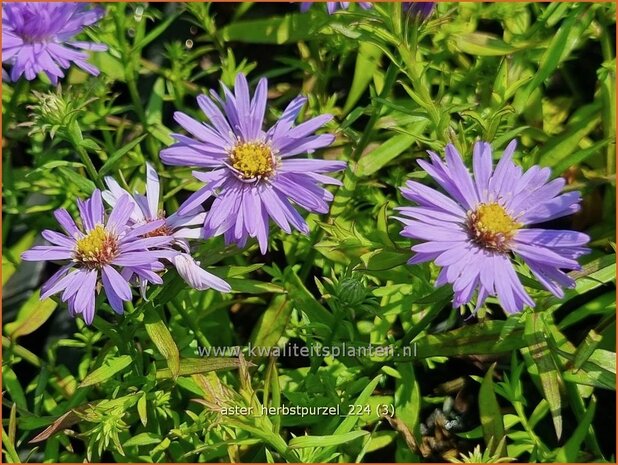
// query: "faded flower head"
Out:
[38,37]
[485,221]
[96,254]
[331,7]
[181,228]
[251,171]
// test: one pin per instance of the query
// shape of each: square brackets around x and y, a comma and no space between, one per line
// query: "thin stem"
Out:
[75,137]
[187,319]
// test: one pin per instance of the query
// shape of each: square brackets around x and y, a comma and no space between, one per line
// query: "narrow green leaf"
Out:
[491,417]
[350,421]
[110,367]
[407,396]
[142,439]
[483,338]
[569,453]
[23,243]
[559,148]
[304,301]
[325,441]
[534,335]
[162,338]
[586,348]
[32,315]
[367,62]
[252,286]
[118,154]
[84,186]
[483,44]
[142,409]
[290,28]
[192,366]
[154,108]
[272,323]
[388,151]
[12,386]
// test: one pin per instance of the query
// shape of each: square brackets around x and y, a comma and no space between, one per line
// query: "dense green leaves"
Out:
[177,377]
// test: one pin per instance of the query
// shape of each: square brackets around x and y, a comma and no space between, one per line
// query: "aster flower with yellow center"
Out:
[181,228]
[96,255]
[39,37]
[251,171]
[487,220]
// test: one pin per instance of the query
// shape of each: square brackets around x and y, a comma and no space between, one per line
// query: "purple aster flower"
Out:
[251,171]
[331,7]
[180,228]
[38,37]
[95,252]
[487,220]
[421,10]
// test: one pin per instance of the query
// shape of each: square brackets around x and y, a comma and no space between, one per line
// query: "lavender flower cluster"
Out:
[478,227]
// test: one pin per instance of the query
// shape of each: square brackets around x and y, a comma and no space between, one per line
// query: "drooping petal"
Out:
[197,277]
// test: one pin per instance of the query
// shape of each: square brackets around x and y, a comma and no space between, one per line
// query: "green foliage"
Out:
[538,386]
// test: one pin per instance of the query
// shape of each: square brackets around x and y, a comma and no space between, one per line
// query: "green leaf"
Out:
[383,260]
[11,384]
[8,267]
[350,421]
[111,162]
[162,338]
[32,315]
[491,416]
[483,338]
[559,148]
[325,441]
[569,453]
[84,185]
[142,439]
[483,44]
[305,301]
[407,396]
[272,323]
[535,337]
[373,161]
[142,409]
[599,370]
[154,109]
[193,366]
[109,368]
[558,50]
[157,31]
[586,348]
[290,28]
[252,286]
[367,63]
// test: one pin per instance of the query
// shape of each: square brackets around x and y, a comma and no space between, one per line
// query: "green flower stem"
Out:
[199,334]
[76,138]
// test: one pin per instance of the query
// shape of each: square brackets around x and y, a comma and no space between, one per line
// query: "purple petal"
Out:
[197,277]
[45,252]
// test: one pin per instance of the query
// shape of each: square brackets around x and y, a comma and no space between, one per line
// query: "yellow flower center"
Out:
[492,227]
[96,249]
[253,160]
